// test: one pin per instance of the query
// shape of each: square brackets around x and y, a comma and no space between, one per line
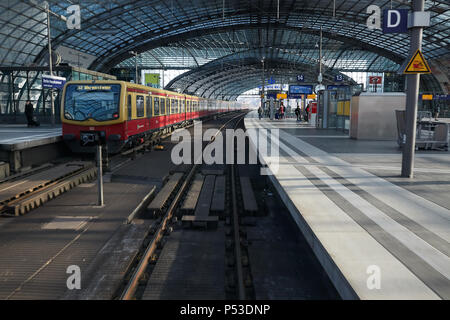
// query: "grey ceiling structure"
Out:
[217,38]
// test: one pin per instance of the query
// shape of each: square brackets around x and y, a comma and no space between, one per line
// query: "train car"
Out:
[127,114]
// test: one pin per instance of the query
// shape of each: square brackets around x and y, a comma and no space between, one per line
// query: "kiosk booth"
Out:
[333,108]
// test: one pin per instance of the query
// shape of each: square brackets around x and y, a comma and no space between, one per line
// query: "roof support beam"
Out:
[110,59]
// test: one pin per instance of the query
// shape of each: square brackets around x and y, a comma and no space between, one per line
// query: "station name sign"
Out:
[53,82]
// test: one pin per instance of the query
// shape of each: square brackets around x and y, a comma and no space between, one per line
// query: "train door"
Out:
[129,113]
[185,108]
[161,106]
[148,111]
[171,103]
[130,107]
[158,121]
[189,107]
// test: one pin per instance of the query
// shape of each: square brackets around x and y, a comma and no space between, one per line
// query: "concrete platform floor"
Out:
[15,134]
[377,235]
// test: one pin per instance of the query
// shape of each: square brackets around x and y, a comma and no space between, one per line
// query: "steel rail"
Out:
[131,287]
[237,238]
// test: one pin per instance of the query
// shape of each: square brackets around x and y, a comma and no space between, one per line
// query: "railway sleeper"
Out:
[159,203]
[41,197]
[206,222]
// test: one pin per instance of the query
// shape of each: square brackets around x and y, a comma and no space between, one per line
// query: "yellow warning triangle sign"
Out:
[417,64]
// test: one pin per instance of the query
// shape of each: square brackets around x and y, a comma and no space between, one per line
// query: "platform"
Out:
[362,220]
[21,146]
[19,137]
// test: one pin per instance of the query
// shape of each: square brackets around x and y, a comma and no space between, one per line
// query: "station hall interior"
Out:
[353,95]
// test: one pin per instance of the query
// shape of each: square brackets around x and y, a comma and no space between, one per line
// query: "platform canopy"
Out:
[215,39]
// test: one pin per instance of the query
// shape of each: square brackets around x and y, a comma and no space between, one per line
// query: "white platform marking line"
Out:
[423,249]
[298,158]
[369,167]
[408,287]
[326,220]
[317,136]
[428,214]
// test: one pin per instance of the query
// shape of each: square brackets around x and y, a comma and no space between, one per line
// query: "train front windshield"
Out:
[98,102]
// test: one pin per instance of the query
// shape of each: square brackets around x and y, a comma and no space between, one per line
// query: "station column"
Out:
[412,99]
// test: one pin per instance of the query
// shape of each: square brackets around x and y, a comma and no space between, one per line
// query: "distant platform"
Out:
[19,137]
[378,236]
[24,147]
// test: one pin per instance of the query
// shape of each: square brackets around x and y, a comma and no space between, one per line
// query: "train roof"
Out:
[133,85]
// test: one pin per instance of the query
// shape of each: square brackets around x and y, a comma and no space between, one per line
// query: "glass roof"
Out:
[190,34]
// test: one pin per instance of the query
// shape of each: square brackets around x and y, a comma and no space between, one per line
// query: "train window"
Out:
[183,106]
[156,110]
[140,107]
[148,103]
[129,106]
[162,106]
[172,106]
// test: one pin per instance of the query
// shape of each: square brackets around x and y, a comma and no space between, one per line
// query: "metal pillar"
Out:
[304,105]
[411,100]
[136,80]
[100,175]
[137,74]
[320,78]
[262,87]
[50,65]
[28,86]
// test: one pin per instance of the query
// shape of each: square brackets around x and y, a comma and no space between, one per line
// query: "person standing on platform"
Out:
[437,109]
[260,112]
[29,113]
[307,113]
[281,111]
[298,113]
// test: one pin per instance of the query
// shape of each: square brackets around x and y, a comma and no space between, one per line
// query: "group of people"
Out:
[298,113]
[282,110]
[280,114]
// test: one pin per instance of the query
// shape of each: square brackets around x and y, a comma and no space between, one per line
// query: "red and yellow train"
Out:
[127,114]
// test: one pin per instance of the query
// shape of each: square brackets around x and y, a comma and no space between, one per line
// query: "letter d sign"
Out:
[395,21]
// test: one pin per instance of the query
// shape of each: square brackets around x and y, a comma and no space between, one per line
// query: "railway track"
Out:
[243,283]
[138,274]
